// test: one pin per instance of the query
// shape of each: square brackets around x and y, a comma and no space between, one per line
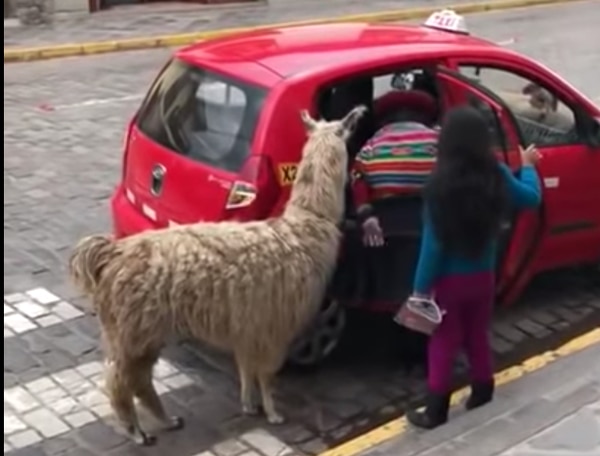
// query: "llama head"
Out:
[540,98]
[323,171]
[342,128]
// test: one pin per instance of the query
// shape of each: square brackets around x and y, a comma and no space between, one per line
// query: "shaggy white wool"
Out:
[247,288]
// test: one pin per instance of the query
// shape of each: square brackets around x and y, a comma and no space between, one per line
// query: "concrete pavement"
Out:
[552,412]
[63,127]
[577,434]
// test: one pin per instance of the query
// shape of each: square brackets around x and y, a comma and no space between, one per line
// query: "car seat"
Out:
[342,99]
[335,104]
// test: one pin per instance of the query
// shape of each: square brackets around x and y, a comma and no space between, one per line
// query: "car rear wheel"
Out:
[321,338]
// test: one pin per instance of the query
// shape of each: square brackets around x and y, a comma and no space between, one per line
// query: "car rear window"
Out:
[205,116]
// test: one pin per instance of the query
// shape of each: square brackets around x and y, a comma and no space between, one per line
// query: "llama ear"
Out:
[530,88]
[348,123]
[307,120]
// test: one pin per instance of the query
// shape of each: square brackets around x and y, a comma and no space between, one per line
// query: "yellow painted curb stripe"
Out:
[71,50]
[397,427]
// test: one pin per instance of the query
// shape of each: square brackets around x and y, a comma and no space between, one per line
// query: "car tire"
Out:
[321,338]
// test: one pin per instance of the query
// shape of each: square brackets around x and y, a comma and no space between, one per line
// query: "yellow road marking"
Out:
[79,49]
[397,427]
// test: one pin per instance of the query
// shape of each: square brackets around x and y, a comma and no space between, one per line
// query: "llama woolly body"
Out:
[249,288]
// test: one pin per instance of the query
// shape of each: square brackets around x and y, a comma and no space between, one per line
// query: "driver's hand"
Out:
[372,232]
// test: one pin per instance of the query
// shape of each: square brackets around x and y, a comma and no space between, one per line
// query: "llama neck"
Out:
[319,194]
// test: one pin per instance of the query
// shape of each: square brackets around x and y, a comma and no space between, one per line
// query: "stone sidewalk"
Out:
[576,435]
[160,19]
[552,412]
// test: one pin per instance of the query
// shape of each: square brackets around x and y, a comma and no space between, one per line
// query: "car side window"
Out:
[204,116]
[541,117]
[497,133]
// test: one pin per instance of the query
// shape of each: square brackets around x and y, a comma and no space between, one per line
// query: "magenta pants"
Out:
[468,301]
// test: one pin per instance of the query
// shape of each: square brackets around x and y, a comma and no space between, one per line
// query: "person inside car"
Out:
[394,163]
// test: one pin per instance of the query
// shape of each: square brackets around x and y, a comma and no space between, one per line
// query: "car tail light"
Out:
[242,194]
[256,177]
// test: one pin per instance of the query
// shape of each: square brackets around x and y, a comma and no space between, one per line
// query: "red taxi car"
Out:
[218,137]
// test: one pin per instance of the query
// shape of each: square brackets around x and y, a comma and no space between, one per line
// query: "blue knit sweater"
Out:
[525,192]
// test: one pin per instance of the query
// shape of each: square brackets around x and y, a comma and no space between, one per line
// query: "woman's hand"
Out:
[530,156]
[372,232]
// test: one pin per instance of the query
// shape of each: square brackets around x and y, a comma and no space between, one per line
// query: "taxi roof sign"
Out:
[448,21]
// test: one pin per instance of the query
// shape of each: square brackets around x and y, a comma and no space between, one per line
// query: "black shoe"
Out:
[435,413]
[481,394]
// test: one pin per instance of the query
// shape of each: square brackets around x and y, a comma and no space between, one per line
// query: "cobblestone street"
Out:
[63,128]
[156,19]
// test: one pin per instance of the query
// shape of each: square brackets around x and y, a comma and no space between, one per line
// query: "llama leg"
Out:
[119,391]
[266,391]
[149,399]
[247,383]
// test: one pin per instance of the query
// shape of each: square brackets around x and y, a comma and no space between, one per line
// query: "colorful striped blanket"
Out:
[396,161]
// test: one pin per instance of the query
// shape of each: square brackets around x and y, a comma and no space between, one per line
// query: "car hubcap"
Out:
[322,337]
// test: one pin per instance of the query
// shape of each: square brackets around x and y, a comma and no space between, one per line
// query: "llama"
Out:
[248,288]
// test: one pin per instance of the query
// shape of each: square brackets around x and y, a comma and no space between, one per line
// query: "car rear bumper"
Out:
[126,218]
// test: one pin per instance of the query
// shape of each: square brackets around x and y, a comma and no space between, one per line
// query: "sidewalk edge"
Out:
[395,428]
[26,54]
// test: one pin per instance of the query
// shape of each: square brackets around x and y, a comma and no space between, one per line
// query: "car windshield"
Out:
[207,117]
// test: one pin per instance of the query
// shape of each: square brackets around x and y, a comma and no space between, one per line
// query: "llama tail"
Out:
[88,260]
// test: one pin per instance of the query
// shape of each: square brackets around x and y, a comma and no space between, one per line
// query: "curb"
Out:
[102,47]
[362,444]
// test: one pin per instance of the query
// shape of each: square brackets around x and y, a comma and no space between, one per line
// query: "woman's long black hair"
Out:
[465,194]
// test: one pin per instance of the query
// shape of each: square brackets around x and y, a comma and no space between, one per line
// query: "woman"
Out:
[465,197]
[395,162]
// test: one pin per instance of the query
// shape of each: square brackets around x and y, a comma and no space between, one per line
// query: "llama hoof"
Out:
[175,423]
[250,410]
[144,439]
[275,418]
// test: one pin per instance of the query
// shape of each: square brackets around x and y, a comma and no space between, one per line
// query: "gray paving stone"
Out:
[19,323]
[58,446]
[266,443]
[28,451]
[40,386]
[580,432]
[20,399]
[100,437]
[231,447]
[24,438]
[30,309]
[45,422]
[12,424]
[42,295]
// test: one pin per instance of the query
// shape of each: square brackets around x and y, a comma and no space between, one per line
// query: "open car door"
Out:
[521,230]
